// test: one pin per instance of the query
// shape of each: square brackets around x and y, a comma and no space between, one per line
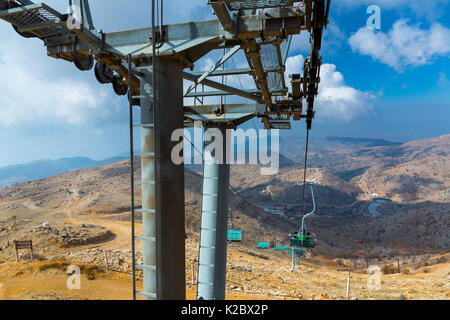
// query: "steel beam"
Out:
[216,93]
[253,54]
[223,14]
[206,74]
[226,72]
[223,87]
[187,36]
[229,115]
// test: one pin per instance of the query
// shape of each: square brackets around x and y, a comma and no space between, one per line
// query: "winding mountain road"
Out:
[121,229]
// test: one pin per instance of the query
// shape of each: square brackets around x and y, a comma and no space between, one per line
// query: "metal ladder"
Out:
[148,180]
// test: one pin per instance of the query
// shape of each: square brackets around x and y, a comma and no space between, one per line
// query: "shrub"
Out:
[406,271]
[388,269]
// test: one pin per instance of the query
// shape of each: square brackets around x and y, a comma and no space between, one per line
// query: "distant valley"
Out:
[88,210]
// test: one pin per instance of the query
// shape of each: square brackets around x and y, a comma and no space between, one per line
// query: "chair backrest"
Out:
[234,235]
[263,245]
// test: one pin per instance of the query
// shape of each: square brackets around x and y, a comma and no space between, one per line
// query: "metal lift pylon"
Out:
[214,220]
[162,181]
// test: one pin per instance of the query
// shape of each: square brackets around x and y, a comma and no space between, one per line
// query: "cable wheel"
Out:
[103,73]
[84,64]
[120,88]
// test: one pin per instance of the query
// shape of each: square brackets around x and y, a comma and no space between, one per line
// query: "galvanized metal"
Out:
[133,231]
[163,221]
[206,74]
[214,222]
[149,179]
[303,229]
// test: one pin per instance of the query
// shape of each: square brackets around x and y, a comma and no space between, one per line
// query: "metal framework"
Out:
[149,65]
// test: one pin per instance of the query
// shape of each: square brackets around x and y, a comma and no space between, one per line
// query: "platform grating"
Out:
[40,20]
[258,4]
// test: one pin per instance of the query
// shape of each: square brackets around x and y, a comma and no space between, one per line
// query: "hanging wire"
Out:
[304,174]
[233,189]
[133,231]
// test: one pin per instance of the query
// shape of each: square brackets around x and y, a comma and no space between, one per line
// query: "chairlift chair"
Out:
[305,239]
[234,234]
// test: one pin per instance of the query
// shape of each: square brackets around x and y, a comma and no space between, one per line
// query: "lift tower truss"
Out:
[150,64]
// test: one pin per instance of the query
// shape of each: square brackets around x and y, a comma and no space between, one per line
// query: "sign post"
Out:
[23,245]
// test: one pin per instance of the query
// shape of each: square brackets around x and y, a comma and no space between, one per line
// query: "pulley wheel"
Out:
[119,87]
[84,64]
[103,73]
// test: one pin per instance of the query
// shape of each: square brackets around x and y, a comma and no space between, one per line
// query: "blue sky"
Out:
[392,83]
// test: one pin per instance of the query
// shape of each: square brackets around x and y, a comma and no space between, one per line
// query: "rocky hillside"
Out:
[418,218]
[420,171]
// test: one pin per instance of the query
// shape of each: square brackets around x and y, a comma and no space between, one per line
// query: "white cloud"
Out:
[294,65]
[404,45]
[336,100]
[32,94]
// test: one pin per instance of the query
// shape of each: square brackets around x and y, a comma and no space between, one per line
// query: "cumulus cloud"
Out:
[404,45]
[33,95]
[336,100]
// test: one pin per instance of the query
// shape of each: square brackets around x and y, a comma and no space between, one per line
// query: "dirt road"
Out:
[121,229]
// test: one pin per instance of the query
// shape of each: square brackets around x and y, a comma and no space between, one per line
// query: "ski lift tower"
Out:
[149,65]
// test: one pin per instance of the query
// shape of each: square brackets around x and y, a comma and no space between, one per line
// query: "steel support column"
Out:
[214,223]
[162,182]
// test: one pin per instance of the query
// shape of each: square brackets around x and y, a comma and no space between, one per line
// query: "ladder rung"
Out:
[143,266]
[210,248]
[207,265]
[143,125]
[139,97]
[209,211]
[146,294]
[142,68]
[145,210]
[147,154]
[209,229]
[145,182]
[145,239]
